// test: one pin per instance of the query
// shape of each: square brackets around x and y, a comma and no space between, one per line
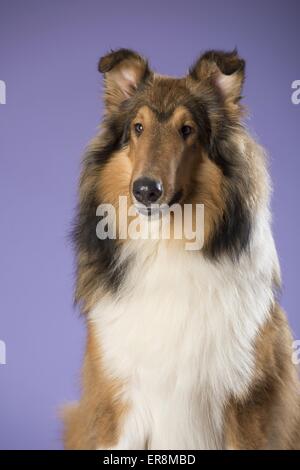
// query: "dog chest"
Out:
[181,336]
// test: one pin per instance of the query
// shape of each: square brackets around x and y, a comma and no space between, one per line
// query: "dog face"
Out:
[167,124]
[163,149]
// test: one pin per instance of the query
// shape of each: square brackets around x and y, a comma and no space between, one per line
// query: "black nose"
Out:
[147,191]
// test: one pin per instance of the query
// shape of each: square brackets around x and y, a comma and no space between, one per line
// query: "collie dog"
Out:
[186,349]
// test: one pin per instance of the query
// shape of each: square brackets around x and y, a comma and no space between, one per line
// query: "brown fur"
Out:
[269,415]
[210,168]
[160,151]
[198,178]
[95,421]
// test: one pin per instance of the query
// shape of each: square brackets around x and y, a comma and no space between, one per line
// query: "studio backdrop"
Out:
[50,107]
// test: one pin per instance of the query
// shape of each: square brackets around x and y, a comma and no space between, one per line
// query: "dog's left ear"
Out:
[123,71]
[224,70]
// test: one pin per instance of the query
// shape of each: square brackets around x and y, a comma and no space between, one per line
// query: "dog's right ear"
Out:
[123,71]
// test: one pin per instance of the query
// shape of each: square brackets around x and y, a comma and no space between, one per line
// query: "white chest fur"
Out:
[181,336]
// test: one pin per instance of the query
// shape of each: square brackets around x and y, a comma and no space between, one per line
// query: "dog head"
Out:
[168,124]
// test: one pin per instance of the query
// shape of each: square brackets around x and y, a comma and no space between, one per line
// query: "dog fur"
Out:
[185,349]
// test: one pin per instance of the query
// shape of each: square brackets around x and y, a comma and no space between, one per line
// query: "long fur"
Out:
[185,350]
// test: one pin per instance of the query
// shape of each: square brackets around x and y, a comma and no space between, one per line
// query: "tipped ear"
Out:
[123,71]
[225,70]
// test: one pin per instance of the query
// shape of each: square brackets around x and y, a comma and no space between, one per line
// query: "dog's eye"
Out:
[186,131]
[138,127]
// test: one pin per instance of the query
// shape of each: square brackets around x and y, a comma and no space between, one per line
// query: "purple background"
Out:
[48,56]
